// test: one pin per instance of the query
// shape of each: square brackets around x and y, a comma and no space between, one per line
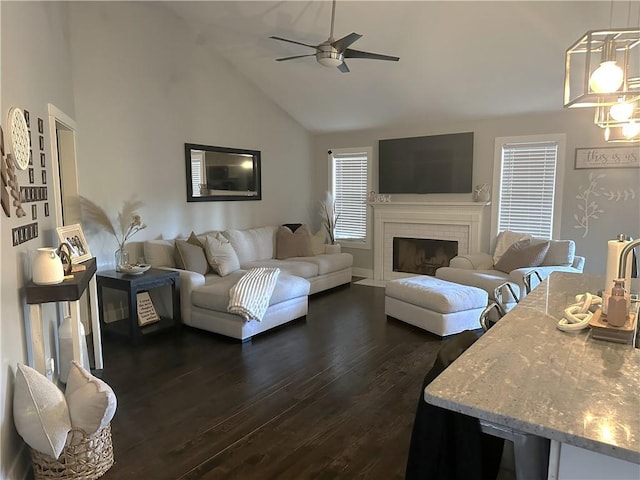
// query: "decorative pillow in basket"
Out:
[69,434]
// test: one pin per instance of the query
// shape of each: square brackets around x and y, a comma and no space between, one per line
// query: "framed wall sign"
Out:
[608,157]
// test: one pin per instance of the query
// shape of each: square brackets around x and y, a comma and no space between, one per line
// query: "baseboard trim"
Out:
[362,272]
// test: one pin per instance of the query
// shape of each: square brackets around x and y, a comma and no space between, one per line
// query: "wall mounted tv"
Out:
[432,164]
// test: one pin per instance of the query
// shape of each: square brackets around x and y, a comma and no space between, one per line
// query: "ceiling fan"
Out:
[331,53]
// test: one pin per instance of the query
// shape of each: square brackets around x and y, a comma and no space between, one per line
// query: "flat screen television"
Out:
[431,164]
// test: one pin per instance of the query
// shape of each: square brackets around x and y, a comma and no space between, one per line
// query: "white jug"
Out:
[47,267]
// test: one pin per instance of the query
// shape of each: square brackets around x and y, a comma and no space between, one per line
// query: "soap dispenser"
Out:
[617,308]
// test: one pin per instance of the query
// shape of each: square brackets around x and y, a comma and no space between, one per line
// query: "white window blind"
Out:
[527,186]
[350,185]
[196,173]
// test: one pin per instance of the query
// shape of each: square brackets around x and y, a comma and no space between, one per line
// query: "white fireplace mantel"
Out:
[460,221]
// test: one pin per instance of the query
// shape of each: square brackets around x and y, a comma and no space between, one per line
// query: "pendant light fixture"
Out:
[602,70]
[601,67]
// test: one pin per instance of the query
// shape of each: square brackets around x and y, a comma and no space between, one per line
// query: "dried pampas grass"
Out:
[127,218]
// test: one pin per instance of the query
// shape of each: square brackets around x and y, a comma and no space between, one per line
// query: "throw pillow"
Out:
[292,226]
[522,254]
[92,403]
[191,257]
[221,255]
[194,240]
[160,253]
[317,242]
[504,241]
[293,244]
[561,252]
[40,412]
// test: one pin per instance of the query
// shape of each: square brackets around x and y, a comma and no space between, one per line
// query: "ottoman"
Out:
[435,305]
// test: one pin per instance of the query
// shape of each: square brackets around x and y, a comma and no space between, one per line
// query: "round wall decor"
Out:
[20,144]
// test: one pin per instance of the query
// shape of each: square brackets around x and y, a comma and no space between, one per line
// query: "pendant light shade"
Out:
[601,67]
[621,111]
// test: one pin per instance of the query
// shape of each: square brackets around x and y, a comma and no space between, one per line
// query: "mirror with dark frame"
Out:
[222,173]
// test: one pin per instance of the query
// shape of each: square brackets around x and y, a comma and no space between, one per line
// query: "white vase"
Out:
[47,267]
[66,348]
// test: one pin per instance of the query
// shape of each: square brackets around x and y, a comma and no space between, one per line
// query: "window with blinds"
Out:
[527,186]
[196,173]
[350,185]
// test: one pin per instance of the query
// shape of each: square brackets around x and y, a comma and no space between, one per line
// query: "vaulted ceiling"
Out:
[458,60]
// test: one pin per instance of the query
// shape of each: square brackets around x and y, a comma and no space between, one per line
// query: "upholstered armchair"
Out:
[517,265]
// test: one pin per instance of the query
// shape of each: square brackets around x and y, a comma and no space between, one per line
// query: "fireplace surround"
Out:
[460,222]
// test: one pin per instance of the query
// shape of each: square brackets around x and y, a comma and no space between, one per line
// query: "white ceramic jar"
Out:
[47,267]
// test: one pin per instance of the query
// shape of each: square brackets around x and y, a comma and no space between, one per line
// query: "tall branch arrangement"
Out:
[129,222]
[329,216]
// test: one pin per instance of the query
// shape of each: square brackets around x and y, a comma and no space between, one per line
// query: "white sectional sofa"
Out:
[204,297]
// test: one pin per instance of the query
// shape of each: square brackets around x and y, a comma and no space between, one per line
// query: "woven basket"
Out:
[86,460]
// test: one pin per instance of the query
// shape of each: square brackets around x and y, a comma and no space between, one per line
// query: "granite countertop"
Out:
[526,374]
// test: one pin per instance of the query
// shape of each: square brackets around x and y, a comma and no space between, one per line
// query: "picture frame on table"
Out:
[74,237]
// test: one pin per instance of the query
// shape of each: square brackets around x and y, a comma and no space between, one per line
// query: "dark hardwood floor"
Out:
[331,396]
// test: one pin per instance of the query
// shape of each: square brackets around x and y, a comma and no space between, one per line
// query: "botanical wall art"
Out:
[589,209]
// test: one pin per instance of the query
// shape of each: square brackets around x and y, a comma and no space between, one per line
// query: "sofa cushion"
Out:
[253,244]
[221,255]
[504,241]
[293,244]
[292,266]
[190,257]
[92,403]
[522,254]
[40,412]
[214,295]
[328,263]
[561,252]
[159,253]
[487,280]
[317,242]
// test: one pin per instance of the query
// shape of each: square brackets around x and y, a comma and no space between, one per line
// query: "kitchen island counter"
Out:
[527,375]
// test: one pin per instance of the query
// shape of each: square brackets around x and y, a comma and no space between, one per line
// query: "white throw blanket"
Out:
[250,297]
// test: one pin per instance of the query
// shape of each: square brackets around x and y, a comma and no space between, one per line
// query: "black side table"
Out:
[132,285]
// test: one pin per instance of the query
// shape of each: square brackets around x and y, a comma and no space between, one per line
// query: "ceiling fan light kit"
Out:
[331,53]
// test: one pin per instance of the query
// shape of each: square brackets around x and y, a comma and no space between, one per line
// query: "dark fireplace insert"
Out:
[422,255]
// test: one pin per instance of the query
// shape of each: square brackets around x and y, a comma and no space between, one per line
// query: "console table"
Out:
[132,285]
[70,290]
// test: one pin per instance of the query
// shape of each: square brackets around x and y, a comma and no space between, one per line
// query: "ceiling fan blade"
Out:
[349,53]
[293,41]
[342,44]
[343,68]
[295,56]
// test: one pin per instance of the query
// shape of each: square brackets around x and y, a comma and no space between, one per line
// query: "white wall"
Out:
[35,72]
[144,85]
[617,217]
